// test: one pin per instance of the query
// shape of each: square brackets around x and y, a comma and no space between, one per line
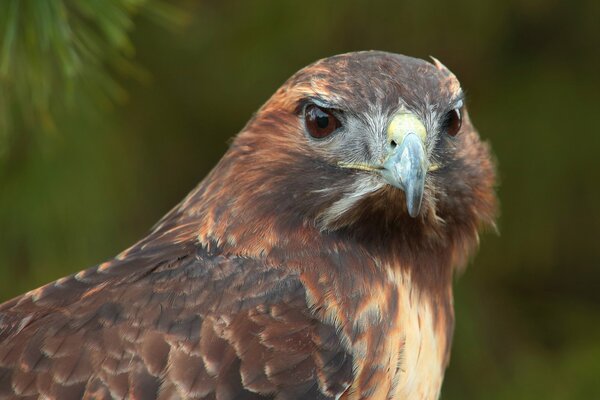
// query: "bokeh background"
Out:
[110,112]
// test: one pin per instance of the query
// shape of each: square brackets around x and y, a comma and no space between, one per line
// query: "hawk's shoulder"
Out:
[186,325]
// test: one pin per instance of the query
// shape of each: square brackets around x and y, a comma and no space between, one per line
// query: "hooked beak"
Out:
[406,164]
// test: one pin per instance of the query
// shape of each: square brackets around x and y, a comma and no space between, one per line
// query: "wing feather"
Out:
[170,324]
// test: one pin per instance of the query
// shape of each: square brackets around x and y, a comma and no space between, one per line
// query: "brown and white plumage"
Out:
[293,271]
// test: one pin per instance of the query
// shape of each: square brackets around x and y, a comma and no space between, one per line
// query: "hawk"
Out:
[315,261]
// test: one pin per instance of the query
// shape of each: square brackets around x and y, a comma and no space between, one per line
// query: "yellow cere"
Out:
[403,124]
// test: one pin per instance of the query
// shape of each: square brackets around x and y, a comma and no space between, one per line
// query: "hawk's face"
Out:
[377,137]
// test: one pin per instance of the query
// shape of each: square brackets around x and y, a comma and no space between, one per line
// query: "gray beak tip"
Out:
[405,169]
[413,205]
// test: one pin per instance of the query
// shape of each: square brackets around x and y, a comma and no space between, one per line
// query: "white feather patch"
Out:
[361,188]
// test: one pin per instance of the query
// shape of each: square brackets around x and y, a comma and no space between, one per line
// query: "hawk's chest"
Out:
[418,340]
[398,335]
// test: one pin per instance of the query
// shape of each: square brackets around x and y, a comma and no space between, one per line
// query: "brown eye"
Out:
[453,122]
[320,122]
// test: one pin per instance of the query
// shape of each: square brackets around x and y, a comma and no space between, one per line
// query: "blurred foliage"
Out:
[57,53]
[528,309]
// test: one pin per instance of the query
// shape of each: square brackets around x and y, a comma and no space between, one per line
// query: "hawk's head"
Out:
[371,143]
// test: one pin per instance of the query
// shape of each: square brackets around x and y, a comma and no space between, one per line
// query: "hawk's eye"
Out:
[453,121]
[320,122]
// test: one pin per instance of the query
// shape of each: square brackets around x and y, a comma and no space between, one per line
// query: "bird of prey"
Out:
[315,261]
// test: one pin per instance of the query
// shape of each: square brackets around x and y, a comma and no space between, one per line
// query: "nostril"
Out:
[393,144]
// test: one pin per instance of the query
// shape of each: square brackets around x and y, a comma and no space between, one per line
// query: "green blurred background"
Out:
[110,112]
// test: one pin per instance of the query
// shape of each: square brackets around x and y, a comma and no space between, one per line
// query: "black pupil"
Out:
[453,122]
[322,119]
[320,123]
